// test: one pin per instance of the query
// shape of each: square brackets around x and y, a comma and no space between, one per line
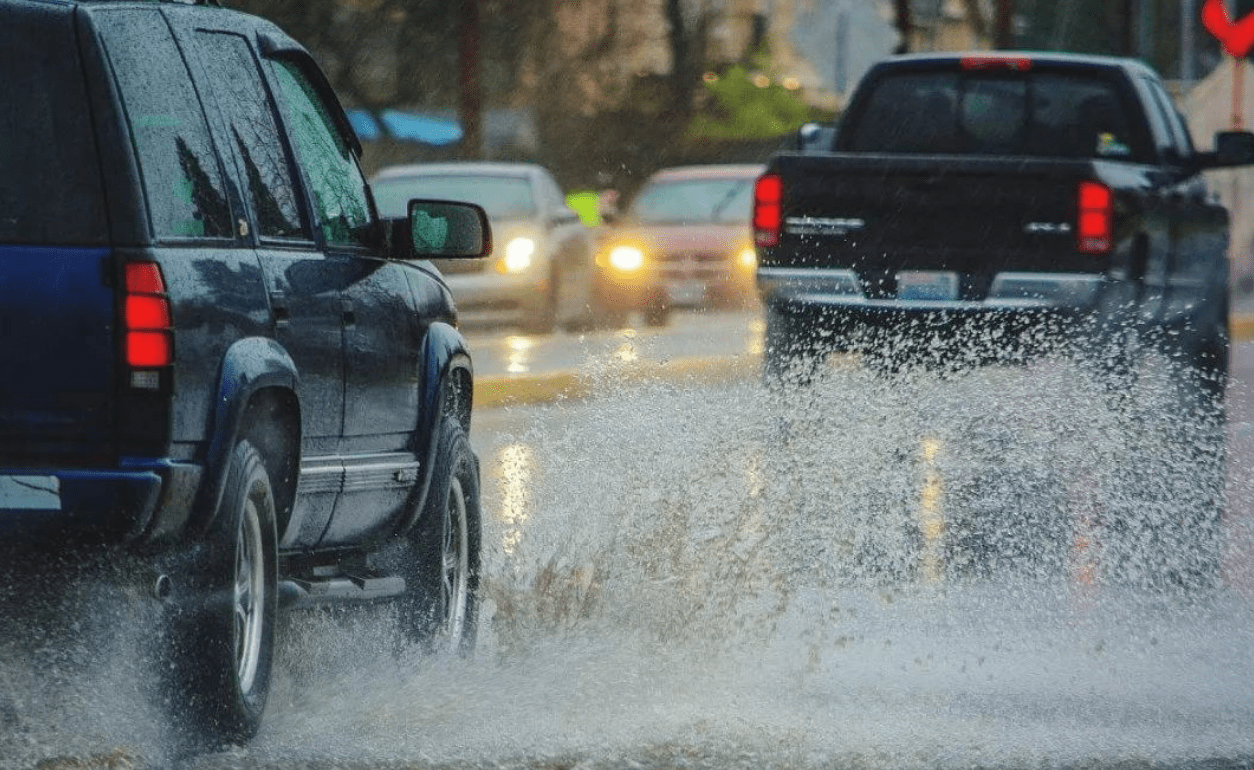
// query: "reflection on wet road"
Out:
[692,334]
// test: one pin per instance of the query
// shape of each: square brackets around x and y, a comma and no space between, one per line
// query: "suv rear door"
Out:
[56,308]
[303,287]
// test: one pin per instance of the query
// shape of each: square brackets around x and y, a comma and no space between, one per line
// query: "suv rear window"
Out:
[50,186]
[1049,114]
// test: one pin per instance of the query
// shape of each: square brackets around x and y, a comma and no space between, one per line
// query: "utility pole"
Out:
[1003,27]
[471,107]
[904,25]
[1188,57]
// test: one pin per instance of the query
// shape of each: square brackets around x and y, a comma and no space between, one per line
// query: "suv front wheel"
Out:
[439,609]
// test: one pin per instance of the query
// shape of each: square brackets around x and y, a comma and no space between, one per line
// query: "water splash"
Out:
[935,569]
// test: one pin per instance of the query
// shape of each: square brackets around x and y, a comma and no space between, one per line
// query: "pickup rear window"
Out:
[50,185]
[1046,114]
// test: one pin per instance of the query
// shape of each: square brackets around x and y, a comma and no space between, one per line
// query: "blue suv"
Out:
[218,357]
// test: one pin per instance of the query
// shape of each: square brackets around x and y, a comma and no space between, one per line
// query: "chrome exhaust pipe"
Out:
[162,587]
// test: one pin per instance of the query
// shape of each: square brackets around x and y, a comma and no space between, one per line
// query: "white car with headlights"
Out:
[542,272]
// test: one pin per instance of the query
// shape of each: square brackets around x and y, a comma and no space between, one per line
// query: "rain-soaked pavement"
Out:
[919,571]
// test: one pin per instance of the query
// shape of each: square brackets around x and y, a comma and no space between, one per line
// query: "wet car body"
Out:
[692,225]
[544,271]
[1088,211]
[232,371]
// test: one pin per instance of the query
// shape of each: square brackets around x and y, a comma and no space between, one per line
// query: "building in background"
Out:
[1209,108]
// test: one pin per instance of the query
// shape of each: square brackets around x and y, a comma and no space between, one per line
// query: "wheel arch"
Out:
[256,399]
[447,385]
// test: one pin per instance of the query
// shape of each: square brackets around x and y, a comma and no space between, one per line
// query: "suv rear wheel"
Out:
[222,634]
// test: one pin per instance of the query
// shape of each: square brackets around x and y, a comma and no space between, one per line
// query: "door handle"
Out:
[350,316]
[278,309]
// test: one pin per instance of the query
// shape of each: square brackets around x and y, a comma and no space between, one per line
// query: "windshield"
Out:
[1040,114]
[503,197]
[694,202]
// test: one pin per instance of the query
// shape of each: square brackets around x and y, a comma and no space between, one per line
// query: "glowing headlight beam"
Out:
[627,259]
[518,255]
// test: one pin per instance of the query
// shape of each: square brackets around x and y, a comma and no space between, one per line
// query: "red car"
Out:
[688,228]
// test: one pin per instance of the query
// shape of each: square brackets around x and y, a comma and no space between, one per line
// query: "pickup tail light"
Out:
[1095,219]
[149,342]
[993,62]
[768,210]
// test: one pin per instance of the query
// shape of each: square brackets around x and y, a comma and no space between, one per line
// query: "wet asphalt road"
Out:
[655,599]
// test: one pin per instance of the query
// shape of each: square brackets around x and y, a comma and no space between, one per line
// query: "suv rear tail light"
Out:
[146,319]
[768,210]
[1095,219]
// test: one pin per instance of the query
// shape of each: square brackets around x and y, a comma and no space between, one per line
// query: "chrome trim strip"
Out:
[1053,289]
[791,281]
[1009,291]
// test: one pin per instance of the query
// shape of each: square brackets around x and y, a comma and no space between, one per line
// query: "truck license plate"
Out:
[30,493]
[936,285]
[686,292]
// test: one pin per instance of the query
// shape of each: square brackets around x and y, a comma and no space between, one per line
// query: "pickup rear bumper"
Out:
[142,501]
[1010,292]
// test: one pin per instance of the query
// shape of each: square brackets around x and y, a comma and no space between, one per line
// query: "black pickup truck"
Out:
[1023,192]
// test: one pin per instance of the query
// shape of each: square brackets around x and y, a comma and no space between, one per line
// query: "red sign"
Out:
[1236,37]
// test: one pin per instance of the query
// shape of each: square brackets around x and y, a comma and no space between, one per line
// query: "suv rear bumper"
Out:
[142,502]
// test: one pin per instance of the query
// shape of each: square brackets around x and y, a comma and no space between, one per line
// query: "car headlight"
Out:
[519,254]
[626,259]
[747,258]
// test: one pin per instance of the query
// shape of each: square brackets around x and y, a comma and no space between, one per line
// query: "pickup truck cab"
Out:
[219,359]
[1031,193]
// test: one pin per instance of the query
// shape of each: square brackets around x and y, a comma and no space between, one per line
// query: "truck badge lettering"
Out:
[1047,228]
[824,226]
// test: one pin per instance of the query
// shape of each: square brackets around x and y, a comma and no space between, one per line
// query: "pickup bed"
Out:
[1035,194]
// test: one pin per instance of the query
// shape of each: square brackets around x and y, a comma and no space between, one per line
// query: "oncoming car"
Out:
[690,227]
[543,273]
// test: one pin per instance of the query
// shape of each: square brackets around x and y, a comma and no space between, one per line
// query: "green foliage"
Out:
[742,109]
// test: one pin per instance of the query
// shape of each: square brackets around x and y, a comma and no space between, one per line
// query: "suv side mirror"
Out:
[1232,148]
[440,230]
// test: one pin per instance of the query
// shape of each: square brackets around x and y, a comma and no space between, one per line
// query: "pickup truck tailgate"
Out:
[976,216]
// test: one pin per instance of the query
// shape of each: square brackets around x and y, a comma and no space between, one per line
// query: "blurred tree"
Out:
[612,84]
[747,106]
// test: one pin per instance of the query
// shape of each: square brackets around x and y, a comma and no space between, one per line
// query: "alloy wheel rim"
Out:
[455,566]
[249,596]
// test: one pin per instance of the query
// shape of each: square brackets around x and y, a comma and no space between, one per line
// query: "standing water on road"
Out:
[924,570]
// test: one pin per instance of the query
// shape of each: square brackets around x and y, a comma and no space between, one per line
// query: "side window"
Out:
[1179,131]
[249,121]
[1164,139]
[181,176]
[335,182]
